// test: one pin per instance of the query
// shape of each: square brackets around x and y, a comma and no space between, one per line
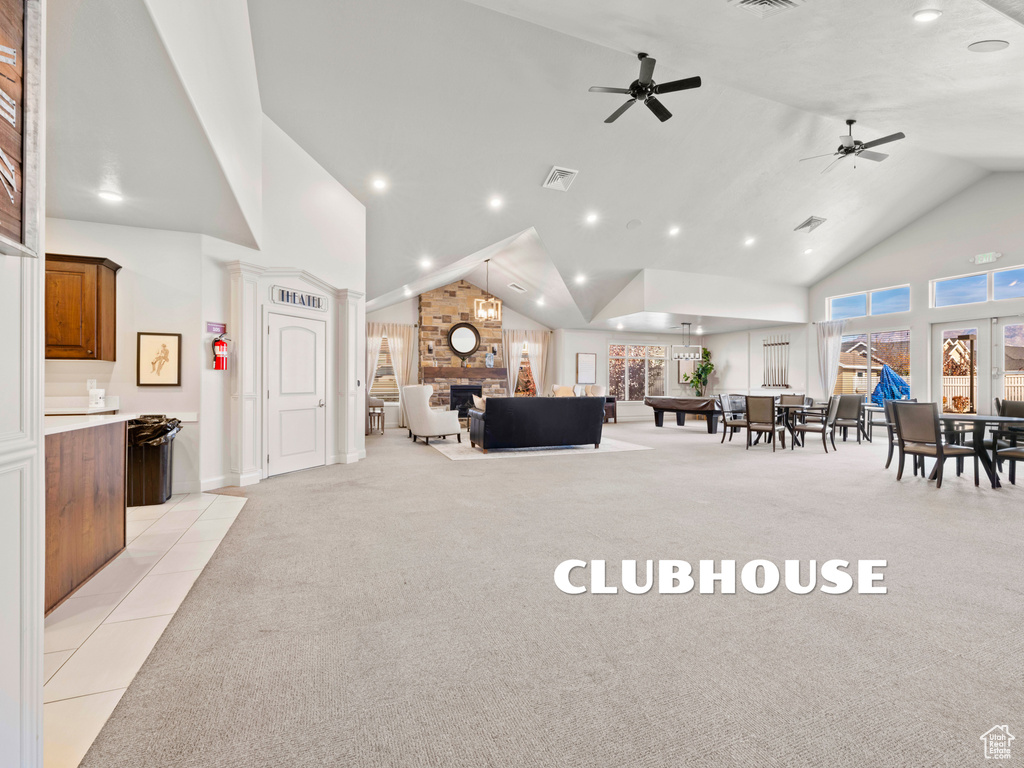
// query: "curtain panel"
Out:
[374,338]
[830,342]
[402,344]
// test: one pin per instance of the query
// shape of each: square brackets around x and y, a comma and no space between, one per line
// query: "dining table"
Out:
[789,413]
[980,423]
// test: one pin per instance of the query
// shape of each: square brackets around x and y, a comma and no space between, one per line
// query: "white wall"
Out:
[739,360]
[567,343]
[988,216]
[158,290]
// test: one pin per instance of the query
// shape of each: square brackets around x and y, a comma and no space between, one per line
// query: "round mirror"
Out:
[463,339]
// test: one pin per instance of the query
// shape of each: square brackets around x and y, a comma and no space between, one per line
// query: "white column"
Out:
[352,385]
[22,443]
[244,440]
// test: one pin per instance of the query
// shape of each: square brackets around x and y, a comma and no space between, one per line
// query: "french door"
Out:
[1008,366]
[296,391]
[962,380]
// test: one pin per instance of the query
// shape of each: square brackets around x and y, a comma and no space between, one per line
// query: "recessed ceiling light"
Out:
[987,46]
[591,218]
[380,184]
[749,241]
[620,326]
[540,301]
[408,291]
[927,14]
[111,197]
[426,262]
[808,251]
[673,231]
[581,279]
[700,329]
[495,202]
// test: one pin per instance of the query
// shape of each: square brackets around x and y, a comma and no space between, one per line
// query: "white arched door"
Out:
[296,393]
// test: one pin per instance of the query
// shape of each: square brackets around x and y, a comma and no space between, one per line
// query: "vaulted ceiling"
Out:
[454,102]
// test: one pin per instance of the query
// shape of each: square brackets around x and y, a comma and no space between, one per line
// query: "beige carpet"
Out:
[463,451]
[399,612]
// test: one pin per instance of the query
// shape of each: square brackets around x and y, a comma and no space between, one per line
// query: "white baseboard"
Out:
[211,483]
[241,479]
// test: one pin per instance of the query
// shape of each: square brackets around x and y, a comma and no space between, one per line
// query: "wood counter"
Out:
[85,505]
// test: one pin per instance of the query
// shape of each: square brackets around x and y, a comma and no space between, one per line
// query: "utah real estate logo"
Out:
[997,742]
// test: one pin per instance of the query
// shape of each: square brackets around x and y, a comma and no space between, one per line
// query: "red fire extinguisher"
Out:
[220,353]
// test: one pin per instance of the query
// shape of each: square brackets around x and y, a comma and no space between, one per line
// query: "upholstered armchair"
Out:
[560,390]
[427,422]
[595,390]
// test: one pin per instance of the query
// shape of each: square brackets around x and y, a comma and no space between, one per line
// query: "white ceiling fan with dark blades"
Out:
[646,90]
[852,146]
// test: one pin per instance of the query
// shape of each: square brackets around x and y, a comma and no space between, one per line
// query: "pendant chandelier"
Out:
[490,307]
[685,351]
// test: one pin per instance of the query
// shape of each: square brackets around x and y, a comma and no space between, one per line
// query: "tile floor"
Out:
[96,641]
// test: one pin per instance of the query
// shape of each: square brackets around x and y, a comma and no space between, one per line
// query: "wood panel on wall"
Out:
[440,309]
[12,68]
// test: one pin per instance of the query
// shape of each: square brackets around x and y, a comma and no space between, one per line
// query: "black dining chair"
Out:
[850,414]
[734,414]
[890,425]
[825,426]
[919,435]
[761,419]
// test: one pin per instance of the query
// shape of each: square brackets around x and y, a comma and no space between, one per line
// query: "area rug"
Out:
[465,452]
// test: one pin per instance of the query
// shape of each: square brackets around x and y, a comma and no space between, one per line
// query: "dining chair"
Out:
[732,419]
[761,419]
[825,426]
[850,414]
[1013,454]
[919,435]
[890,426]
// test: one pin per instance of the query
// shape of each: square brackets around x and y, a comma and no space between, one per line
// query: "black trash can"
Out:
[150,445]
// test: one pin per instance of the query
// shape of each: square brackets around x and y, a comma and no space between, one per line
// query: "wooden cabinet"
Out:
[81,308]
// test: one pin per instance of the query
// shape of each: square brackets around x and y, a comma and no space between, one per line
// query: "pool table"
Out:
[706,406]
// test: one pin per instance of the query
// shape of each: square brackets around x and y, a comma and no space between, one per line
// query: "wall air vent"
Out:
[560,178]
[810,224]
[765,8]
[517,287]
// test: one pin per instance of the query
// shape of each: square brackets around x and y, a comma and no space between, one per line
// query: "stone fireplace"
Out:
[440,309]
[460,397]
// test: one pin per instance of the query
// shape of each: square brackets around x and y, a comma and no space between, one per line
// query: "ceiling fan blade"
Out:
[618,112]
[646,70]
[831,165]
[658,109]
[869,155]
[885,140]
[601,89]
[678,85]
[828,154]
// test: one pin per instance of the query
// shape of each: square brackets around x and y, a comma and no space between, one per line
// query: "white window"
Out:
[969,289]
[384,386]
[636,370]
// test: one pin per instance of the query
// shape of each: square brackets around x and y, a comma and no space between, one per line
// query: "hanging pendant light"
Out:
[489,308]
[683,353]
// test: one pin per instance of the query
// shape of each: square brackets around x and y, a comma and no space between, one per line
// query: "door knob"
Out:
[320,404]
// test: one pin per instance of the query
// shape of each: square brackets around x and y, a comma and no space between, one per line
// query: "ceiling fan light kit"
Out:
[646,90]
[857,148]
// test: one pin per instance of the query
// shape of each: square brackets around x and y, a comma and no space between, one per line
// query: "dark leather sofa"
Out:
[535,422]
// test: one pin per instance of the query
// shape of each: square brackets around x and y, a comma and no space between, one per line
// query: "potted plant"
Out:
[699,378]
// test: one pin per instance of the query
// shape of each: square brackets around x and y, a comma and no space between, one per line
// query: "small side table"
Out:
[377,419]
[611,409]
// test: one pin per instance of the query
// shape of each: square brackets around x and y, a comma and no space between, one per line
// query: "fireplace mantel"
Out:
[473,374]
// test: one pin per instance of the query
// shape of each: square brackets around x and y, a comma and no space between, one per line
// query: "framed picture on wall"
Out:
[159,360]
[586,368]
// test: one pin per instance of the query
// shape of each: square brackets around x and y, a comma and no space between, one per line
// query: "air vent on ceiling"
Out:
[765,8]
[560,178]
[810,224]
[517,287]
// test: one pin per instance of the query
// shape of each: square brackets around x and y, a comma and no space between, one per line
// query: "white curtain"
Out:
[511,355]
[830,342]
[402,344]
[537,352]
[374,337]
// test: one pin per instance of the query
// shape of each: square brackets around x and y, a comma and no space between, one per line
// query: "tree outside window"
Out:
[636,370]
